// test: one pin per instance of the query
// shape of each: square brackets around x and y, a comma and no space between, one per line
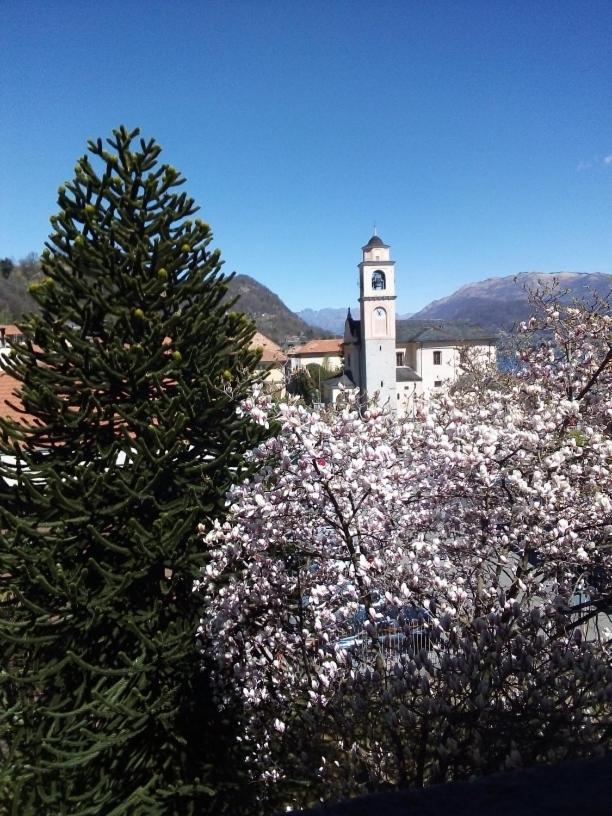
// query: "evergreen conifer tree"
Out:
[130,376]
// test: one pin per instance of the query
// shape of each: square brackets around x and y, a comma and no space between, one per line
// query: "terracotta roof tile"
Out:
[8,386]
[332,346]
[271,352]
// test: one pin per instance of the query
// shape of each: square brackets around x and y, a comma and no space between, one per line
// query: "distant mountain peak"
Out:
[502,302]
[494,303]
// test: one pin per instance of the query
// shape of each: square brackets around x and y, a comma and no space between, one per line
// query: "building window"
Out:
[381,383]
[437,383]
[399,358]
[378,280]
[437,358]
[398,396]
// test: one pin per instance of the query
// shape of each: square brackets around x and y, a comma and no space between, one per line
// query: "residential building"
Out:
[273,362]
[326,353]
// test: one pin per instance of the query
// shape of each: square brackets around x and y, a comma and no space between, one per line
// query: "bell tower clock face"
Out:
[379,322]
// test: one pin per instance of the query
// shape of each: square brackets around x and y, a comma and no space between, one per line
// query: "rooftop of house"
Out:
[8,401]
[271,353]
[333,346]
[432,331]
[8,385]
[376,241]
[341,379]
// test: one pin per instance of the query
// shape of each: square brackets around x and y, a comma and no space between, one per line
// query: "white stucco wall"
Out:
[449,368]
[331,395]
[330,361]
[409,397]
[274,381]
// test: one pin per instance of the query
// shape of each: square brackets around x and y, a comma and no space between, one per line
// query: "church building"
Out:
[402,361]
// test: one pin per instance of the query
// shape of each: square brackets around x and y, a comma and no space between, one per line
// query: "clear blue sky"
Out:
[477,135]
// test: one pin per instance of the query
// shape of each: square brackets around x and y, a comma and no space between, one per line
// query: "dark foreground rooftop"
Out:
[581,788]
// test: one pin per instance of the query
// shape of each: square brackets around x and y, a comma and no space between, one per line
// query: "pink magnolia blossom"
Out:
[478,526]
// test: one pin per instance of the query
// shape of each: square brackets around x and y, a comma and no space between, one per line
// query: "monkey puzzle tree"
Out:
[129,380]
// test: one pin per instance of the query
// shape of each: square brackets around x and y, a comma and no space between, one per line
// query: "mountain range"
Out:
[271,316]
[501,303]
[494,303]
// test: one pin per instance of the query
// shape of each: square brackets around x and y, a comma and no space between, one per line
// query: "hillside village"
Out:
[428,347]
[418,357]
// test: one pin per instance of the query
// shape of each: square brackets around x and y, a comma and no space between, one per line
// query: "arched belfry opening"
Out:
[379,281]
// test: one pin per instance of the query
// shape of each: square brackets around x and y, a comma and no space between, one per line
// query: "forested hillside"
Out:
[270,314]
[268,311]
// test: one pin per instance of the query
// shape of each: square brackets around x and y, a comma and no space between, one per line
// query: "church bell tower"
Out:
[377,303]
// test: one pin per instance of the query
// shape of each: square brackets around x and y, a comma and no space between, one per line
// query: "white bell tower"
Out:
[377,302]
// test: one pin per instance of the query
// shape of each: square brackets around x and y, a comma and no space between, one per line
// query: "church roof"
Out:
[376,241]
[406,374]
[8,384]
[432,331]
[343,379]
[354,325]
[440,331]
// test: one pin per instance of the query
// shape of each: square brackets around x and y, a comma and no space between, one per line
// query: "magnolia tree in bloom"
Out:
[408,601]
